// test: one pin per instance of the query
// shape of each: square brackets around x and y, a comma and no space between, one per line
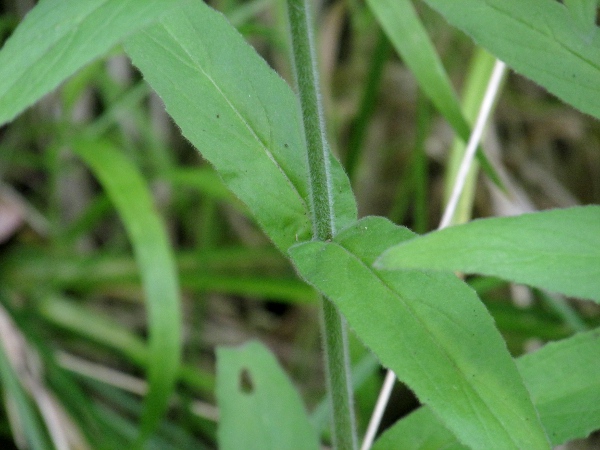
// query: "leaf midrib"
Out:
[438,343]
[198,68]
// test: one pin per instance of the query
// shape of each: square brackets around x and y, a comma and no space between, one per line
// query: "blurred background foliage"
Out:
[72,318]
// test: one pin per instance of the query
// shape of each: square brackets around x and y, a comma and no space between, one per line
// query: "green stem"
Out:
[305,70]
[333,325]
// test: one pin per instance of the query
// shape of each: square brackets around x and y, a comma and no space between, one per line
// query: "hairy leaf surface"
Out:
[239,114]
[553,44]
[564,381]
[432,330]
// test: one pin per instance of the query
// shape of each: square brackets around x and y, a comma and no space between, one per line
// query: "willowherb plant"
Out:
[397,290]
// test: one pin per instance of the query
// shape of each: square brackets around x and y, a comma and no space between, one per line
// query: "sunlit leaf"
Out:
[59,37]
[544,40]
[432,330]
[557,250]
[241,116]
[564,381]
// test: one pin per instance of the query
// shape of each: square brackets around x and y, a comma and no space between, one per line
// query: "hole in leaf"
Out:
[246,384]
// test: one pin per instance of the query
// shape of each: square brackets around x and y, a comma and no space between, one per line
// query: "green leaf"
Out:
[539,39]
[241,116]
[58,37]
[583,13]
[15,395]
[76,319]
[557,250]
[420,430]
[431,330]
[258,406]
[128,191]
[405,31]
[564,381]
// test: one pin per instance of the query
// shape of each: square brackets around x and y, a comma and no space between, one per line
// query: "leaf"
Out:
[107,332]
[583,13]
[128,191]
[258,406]
[431,330]
[13,392]
[405,31]
[58,37]
[537,38]
[557,250]
[240,114]
[419,430]
[564,381]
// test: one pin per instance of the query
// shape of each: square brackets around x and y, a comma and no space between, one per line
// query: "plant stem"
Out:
[305,70]
[333,325]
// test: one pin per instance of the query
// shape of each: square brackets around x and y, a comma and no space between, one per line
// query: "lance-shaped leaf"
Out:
[541,39]
[258,405]
[129,193]
[410,39]
[557,250]
[239,114]
[564,381]
[58,37]
[402,25]
[432,330]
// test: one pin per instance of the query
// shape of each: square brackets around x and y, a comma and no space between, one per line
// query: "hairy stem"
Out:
[333,325]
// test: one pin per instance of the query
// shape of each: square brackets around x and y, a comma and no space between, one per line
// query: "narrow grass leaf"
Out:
[480,70]
[76,319]
[58,37]
[564,381]
[541,39]
[557,250]
[240,114]
[205,180]
[259,407]
[402,25]
[131,197]
[431,330]
[13,392]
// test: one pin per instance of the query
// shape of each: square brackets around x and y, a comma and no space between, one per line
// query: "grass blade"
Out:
[131,197]
[32,427]
[403,27]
